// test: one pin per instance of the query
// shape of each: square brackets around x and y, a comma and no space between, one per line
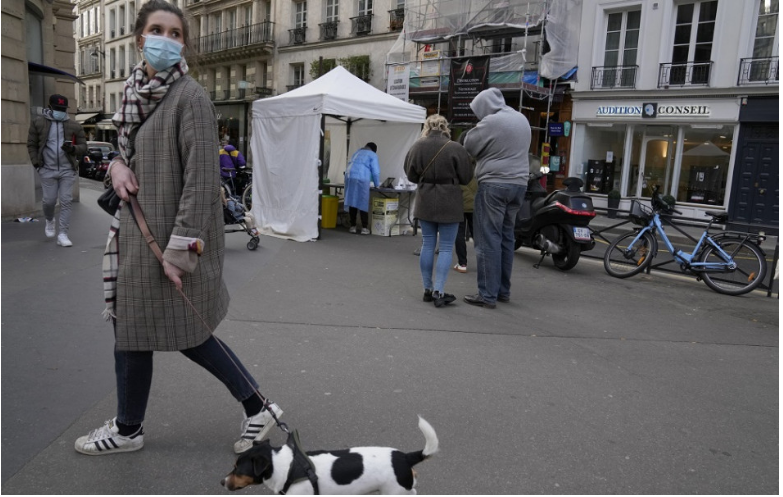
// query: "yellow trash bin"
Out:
[329,205]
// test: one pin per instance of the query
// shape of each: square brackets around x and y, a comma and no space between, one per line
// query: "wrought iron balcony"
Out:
[241,93]
[212,95]
[396,19]
[328,30]
[257,34]
[361,25]
[613,77]
[297,36]
[293,87]
[758,71]
[684,74]
[263,91]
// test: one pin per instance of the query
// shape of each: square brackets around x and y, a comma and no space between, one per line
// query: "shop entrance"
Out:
[754,200]
[656,166]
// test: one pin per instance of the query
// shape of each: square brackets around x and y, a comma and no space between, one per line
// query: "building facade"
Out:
[38,60]
[682,95]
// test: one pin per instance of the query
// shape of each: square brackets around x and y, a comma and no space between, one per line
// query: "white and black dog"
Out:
[355,471]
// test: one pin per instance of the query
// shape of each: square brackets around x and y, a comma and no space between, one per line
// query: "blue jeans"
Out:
[495,213]
[429,234]
[134,376]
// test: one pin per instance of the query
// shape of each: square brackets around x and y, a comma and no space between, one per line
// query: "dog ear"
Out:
[260,465]
[257,443]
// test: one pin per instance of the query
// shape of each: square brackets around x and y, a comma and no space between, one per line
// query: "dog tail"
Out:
[430,445]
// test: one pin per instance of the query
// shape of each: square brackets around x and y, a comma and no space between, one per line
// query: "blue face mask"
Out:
[161,52]
[59,115]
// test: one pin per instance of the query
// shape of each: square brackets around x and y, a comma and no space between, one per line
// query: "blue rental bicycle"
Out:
[729,262]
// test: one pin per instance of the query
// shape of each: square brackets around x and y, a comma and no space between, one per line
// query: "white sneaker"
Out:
[49,230]
[63,241]
[107,440]
[365,231]
[352,229]
[256,427]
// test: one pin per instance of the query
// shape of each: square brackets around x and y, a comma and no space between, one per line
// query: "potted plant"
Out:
[613,203]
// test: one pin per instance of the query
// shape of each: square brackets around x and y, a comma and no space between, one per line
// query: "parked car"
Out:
[100,153]
[88,164]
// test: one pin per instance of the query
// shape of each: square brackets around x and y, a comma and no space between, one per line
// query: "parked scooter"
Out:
[555,223]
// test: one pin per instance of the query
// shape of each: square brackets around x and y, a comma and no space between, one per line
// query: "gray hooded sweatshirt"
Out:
[500,141]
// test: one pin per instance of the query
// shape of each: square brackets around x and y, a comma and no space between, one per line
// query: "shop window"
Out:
[602,150]
[705,164]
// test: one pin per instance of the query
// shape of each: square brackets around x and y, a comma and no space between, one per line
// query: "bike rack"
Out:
[667,220]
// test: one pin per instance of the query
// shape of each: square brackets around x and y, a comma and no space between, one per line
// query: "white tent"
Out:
[288,132]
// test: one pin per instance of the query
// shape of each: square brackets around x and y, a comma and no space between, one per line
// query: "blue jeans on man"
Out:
[495,213]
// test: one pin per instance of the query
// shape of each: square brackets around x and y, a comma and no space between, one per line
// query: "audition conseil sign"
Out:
[651,110]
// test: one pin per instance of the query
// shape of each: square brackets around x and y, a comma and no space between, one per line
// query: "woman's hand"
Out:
[173,273]
[123,180]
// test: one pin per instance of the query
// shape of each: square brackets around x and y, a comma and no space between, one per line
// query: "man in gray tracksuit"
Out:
[500,143]
[54,142]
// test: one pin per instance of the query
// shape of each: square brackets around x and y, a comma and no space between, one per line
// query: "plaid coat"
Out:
[176,164]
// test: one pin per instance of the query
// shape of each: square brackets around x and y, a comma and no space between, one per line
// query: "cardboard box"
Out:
[384,216]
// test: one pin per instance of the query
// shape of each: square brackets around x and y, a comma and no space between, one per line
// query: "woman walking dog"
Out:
[169,153]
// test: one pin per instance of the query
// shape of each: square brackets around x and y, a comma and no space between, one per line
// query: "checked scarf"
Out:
[140,97]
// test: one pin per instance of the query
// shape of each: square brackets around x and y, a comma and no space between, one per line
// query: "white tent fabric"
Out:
[287,137]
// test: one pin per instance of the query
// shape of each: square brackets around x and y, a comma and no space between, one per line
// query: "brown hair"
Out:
[155,5]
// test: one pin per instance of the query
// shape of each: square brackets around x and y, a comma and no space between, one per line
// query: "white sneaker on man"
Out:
[256,427]
[107,440]
[49,229]
[365,231]
[63,241]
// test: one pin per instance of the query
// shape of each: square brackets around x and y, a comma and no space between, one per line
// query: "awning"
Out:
[105,124]
[80,118]
[51,72]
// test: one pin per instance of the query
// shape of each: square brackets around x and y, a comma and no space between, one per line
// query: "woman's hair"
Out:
[436,124]
[155,5]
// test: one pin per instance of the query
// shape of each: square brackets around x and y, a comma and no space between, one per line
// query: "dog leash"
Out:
[141,222]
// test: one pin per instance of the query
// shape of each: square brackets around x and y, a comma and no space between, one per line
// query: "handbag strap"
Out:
[426,168]
[138,216]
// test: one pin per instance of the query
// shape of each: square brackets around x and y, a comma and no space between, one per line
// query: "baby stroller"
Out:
[235,214]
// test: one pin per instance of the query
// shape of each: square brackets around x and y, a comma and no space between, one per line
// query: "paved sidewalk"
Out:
[583,384]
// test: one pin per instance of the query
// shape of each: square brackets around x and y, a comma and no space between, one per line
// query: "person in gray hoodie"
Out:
[499,143]
[54,142]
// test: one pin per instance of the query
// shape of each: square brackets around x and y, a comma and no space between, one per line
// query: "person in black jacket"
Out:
[54,142]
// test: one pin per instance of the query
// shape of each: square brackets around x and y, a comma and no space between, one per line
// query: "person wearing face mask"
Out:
[54,142]
[168,160]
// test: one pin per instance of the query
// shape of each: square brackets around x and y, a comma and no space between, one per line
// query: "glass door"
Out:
[656,165]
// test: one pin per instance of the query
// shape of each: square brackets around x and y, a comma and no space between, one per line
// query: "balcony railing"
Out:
[684,74]
[293,86]
[328,30]
[241,93]
[613,77]
[758,71]
[261,33]
[396,19]
[361,25]
[212,95]
[297,36]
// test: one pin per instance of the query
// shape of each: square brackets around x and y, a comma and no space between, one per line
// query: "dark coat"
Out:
[176,165]
[39,132]
[439,196]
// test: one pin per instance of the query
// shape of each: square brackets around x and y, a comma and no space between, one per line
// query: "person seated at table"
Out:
[361,169]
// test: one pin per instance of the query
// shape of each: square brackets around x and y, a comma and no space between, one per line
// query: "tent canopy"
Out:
[288,134]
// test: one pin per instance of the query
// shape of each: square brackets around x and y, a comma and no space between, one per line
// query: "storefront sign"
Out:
[430,64]
[556,129]
[399,81]
[651,110]
[469,76]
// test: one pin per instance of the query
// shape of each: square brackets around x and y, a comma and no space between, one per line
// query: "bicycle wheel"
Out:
[247,197]
[750,271]
[622,260]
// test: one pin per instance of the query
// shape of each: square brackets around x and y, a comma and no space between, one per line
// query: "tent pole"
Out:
[321,174]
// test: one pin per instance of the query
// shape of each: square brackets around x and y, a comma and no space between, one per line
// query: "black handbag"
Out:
[109,201]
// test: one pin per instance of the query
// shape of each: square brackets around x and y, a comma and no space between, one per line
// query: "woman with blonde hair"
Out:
[439,166]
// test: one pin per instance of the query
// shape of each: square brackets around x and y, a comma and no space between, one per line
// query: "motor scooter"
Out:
[555,223]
